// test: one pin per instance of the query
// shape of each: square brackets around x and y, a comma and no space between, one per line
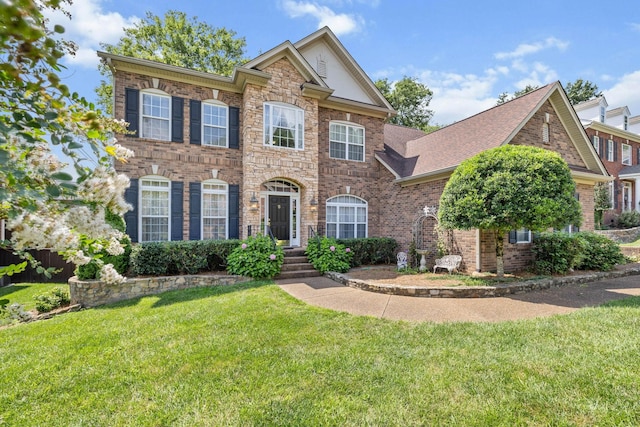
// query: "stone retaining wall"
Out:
[480,291]
[627,235]
[91,293]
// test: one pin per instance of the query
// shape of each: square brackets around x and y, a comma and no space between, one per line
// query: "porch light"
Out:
[253,202]
[313,203]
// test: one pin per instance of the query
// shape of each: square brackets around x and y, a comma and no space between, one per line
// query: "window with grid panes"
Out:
[214,210]
[156,116]
[154,209]
[346,217]
[346,142]
[214,124]
[283,126]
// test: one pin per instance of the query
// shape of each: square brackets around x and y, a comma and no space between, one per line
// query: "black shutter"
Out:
[638,156]
[176,210]
[513,238]
[603,149]
[615,150]
[234,127]
[131,217]
[234,211]
[195,200]
[195,121]
[132,109]
[177,119]
[577,196]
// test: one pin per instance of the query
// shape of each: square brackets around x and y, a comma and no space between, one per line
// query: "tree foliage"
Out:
[44,204]
[509,188]
[601,202]
[410,99]
[505,96]
[176,40]
[581,90]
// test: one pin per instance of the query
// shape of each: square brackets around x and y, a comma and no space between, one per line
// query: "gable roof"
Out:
[437,154]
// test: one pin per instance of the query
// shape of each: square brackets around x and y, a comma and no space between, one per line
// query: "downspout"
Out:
[478,255]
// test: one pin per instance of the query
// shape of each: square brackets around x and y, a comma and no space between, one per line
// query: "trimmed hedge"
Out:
[558,253]
[180,257]
[371,250]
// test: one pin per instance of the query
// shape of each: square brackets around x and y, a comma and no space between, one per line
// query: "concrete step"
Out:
[297,274]
[295,259]
[297,267]
[294,252]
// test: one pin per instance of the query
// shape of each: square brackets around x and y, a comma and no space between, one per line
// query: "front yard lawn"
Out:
[23,293]
[250,354]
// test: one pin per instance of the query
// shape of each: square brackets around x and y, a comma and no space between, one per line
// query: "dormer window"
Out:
[602,113]
[625,122]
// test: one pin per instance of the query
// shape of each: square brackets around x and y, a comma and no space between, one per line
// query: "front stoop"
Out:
[296,265]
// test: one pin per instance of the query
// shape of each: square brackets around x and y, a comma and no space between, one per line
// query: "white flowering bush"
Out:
[47,203]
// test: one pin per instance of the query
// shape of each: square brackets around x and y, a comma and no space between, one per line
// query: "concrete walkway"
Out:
[324,292]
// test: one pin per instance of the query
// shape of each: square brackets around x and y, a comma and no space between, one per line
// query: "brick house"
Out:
[615,136]
[296,138]
[419,167]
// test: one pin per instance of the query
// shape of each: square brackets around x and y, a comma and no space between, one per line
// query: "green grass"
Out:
[252,355]
[23,293]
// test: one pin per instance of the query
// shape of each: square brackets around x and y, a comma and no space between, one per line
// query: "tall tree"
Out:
[410,99]
[581,90]
[504,96]
[43,204]
[176,40]
[601,202]
[510,188]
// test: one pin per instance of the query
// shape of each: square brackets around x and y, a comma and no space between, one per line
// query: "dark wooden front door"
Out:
[279,215]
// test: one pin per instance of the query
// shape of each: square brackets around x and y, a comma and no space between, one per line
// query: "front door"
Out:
[280,217]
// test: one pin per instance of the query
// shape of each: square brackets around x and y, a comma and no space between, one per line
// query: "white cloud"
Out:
[340,24]
[635,26]
[625,91]
[525,49]
[89,26]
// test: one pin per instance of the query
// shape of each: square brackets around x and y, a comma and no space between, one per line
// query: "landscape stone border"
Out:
[91,293]
[480,291]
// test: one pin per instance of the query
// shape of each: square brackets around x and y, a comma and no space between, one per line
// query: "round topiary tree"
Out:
[509,188]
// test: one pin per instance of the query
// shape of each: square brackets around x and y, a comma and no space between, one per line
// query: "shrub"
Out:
[256,257]
[600,253]
[629,219]
[326,254]
[557,253]
[53,299]
[371,250]
[186,257]
[150,259]
[14,313]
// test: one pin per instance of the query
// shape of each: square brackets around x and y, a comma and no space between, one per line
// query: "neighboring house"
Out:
[616,137]
[296,138]
[418,170]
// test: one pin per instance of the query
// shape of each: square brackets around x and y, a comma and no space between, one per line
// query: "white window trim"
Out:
[338,205]
[628,150]
[218,104]
[612,194]
[596,143]
[518,241]
[299,127]
[610,150]
[204,191]
[141,190]
[155,92]
[348,143]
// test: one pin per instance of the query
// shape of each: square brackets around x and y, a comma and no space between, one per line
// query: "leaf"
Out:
[74,145]
[93,134]
[53,190]
[62,176]
[4,156]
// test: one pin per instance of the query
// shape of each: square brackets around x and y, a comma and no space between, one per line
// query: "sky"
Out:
[467,52]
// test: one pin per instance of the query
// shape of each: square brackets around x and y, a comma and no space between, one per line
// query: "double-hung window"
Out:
[346,217]
[214,210]
[610,150]
[283,126]
[346,142]
[214,124]
[596,143]
[626,154]
[156,116]
[154,209]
